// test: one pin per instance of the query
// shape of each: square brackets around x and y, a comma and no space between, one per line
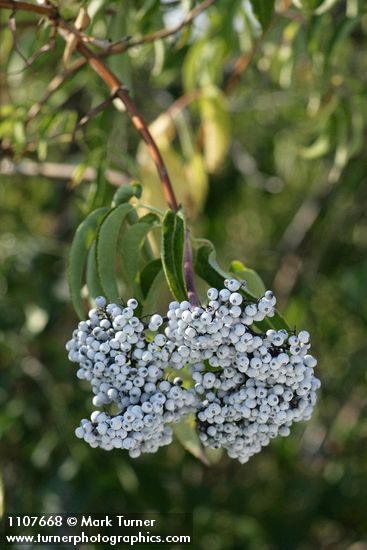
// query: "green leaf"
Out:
[151,218]
[340,33]
[325,6]
[151,299]
[126,192]
[106,249]
[190,75]
[264,10]
[317,7]
[309,6]
[78,255]
[255,286]
[101,191]
[254,282]
[179,251]
[279,322]
[118,26]
[187,435]
[207,268]
[131,245]
[173,245]
[148,274]
[151,279]
[204,62]
[93,283]
[317,149]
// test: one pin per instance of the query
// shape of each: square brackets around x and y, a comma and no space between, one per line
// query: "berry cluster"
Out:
[253,386]
[126,370]
[249,386]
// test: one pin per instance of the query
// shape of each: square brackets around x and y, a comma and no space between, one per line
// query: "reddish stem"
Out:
[118,90]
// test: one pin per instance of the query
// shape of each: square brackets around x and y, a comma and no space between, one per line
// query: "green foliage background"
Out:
[274,173]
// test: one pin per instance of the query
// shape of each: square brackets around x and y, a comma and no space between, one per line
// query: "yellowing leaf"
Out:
[189,179]
[216,127]
[187,435]
[163,129]
[214,455]
[196,177]
[152,186]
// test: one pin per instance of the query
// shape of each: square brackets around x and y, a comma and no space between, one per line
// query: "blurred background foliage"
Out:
[264,134]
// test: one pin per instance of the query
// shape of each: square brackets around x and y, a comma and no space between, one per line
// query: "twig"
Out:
[113,49]
[182,102]
[125,44]
[20,25]
[243,62]
[240,67]
[57,171]
[245,59]
[115,85]
[118,90]
[28,62]
[13,29]
[294,240]
[92,113]
[305,217]
[48,10]
[53,86]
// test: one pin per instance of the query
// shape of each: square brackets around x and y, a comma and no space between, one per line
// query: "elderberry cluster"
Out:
[249,386]
[252,385]
[126,370]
